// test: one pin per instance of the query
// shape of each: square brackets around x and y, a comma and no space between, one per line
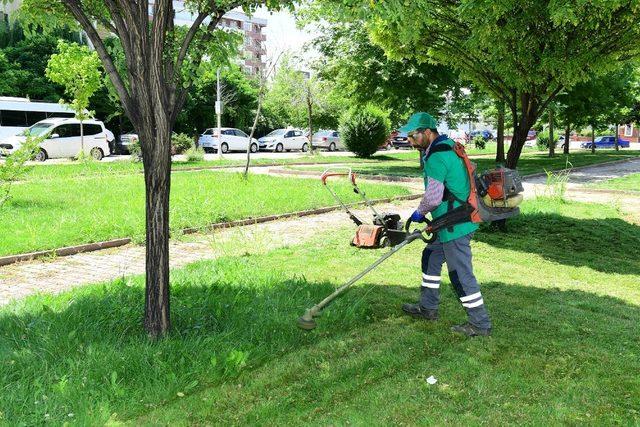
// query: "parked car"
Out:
[329,139]
[231,139]
[284,139]
[62,139]
[485,134]
[459,136]
[400,140]
[608,141]
[124,142]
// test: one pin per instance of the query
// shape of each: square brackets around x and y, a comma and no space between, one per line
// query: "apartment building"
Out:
[252,29]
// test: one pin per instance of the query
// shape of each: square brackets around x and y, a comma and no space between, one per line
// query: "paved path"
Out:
[57,275]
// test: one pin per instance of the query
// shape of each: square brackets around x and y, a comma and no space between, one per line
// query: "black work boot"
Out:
[419,312]
[471,330]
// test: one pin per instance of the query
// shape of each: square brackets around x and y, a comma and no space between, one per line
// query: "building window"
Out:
[628,129]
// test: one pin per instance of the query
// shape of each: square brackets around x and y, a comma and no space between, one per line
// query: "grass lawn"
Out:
[562,288]
[627,183]
[53,213]
[528,164]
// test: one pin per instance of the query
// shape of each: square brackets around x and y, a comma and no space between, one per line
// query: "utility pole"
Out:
[219,114]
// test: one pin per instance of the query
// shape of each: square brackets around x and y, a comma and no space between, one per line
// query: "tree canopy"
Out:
[523,53]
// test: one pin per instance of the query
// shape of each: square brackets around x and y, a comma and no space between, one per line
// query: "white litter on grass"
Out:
[432,380]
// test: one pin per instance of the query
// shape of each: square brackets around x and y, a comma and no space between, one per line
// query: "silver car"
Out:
[329,139]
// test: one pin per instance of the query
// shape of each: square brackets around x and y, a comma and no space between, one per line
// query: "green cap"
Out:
[419,121]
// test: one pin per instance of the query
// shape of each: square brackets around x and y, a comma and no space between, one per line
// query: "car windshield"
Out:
[599,139]
[277,132]
[38,129]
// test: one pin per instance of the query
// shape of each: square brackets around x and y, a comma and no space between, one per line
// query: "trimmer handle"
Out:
[426,234]
[328,174]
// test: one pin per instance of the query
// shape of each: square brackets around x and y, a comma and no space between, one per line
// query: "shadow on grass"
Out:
[84,352]
[608,245]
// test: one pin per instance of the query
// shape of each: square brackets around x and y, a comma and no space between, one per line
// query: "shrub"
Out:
[180,142]
[135,151]
[14,167]
[364,129]
[543,139]
[194,154]
[479,142]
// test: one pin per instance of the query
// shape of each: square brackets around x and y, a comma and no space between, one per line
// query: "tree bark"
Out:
[552,144]
[593,141]
[567,137]
[616,139]
[500,134]
[157,176]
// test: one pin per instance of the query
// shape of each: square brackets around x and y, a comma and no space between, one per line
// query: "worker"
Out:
[446,183]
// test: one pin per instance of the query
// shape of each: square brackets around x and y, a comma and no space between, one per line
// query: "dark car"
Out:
[400,140]
[606,142]
[485,134]
[124,142]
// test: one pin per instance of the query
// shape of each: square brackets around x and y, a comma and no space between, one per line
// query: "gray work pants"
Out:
[457,254]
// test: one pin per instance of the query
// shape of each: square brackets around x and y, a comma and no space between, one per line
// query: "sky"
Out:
[282,34]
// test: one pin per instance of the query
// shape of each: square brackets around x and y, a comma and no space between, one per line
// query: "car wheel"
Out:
[224,147]
[40,156]
[305,147]
[332,146]
[97,153]
[253,148]
[279,148]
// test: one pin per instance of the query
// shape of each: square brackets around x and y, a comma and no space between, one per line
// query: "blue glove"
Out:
[416,216]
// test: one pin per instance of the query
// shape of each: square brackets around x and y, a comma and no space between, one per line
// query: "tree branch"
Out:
[76,10]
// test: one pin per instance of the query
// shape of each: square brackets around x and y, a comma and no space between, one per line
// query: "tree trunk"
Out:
[616,139]
[309,112]
[593,141]
[552,144]
[500,134]
[157,175]
[567,137]
[520,133]
[253,129]
[525,113]
[81,140]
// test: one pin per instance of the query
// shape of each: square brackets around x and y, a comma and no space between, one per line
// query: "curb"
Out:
[66,251]
[577,168]
[91,247]
[605,191]
[384,178]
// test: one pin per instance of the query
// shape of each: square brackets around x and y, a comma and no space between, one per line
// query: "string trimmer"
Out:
[427,235]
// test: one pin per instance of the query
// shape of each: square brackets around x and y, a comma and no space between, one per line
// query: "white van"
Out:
[63,139]
[17,114]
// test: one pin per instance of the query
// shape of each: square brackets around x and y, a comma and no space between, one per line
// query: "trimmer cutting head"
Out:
[306,322]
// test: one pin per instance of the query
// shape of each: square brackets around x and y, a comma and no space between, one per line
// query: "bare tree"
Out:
[263,77]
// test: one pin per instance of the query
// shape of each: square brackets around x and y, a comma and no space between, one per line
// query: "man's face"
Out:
[420,138]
